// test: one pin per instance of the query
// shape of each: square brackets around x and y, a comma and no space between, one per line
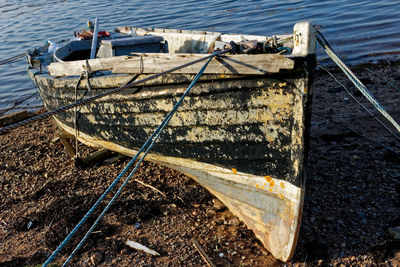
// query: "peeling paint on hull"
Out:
[253,124]
[256,125]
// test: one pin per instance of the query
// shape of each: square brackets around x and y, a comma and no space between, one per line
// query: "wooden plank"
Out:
[234,64]
[97,156]
[67,145]
[158,62]
[76,67]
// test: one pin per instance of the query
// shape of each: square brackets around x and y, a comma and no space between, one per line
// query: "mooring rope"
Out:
[146,147]
[383,78]
[358,133]
[110,92]
[11,59]
[358,102]
[360,86]
[17,103]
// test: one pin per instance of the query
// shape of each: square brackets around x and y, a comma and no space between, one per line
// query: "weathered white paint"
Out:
[156,63]
[304,40]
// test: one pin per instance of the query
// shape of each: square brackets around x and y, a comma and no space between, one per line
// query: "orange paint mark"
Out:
[234,171]
[280,195]
[269,180]
[270,190]
[262,187]
[282,185]
[257,186]
[271,183]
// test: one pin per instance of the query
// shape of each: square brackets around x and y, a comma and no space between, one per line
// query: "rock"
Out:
[210,213]
[218,206]
[96,258]
[394,232]
[137,225]
[235,222]
[173,205]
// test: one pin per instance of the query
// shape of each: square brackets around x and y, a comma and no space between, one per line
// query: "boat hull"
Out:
[254,125]
[242,132]
[243,138]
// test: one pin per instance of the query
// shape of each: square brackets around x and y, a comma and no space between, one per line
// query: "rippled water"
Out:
[359,31]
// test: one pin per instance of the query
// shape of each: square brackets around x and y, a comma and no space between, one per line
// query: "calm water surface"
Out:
[359,31]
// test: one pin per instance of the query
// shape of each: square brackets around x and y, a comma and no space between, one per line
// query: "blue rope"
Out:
[149,145]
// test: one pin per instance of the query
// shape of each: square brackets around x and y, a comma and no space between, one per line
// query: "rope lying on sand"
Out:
[110,92]
[146,148]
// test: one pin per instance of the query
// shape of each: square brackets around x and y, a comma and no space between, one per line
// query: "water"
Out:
[359,31]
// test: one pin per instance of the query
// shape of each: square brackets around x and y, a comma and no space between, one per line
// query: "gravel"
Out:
[350,208]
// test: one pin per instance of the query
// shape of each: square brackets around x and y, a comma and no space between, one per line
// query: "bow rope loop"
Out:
[146,147]
[360,86]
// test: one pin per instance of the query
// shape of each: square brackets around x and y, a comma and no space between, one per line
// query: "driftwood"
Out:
[139,246]
[203,253]
[152,187]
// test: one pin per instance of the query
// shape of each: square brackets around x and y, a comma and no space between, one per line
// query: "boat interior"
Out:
[126,41]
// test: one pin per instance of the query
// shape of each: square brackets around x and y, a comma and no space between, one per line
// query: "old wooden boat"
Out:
[241,133]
